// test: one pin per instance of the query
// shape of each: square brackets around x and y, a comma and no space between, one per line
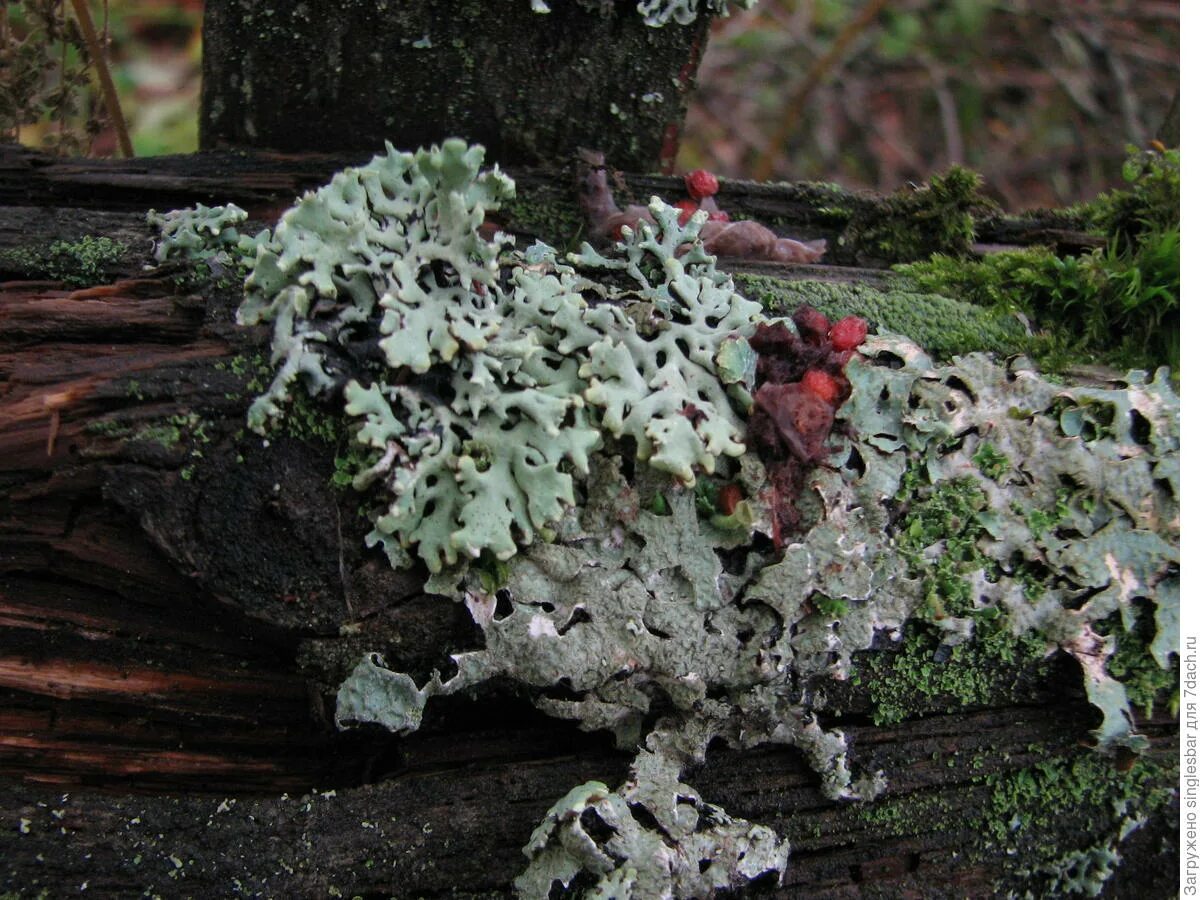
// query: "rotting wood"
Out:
[266,183]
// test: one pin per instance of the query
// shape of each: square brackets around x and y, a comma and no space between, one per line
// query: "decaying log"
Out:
[265,183]
[178,597]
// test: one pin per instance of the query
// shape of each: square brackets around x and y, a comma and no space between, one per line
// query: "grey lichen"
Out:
[708,852]
[1103,460]
[374,693]
[500,394]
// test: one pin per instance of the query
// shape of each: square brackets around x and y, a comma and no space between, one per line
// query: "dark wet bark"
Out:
[324,76]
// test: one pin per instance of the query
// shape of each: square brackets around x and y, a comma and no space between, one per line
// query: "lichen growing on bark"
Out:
[509,399]
[480,391]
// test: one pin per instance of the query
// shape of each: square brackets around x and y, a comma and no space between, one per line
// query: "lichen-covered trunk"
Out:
[532,87]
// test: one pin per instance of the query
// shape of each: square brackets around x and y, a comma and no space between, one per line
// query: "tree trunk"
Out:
[178,598]
[531,87]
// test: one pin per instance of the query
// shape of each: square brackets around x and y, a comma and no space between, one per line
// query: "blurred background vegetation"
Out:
[1041,98]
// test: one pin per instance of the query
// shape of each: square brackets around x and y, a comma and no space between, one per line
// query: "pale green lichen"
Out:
[202,232]
[523,371]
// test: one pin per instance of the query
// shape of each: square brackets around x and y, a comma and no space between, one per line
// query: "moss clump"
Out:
[942,326]
[924,676]
[1150,204]
[1117,305]
[946,515]
[82,263]
[175,430]
[914,224]
[913,814]
[991,462]
[1114,307]
[995,280]
[107,428]
[305,421]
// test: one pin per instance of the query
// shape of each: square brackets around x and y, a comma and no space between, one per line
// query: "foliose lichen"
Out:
[486,388]
[500,395]
[202,232]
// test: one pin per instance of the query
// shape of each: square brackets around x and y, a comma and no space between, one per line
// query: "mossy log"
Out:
[546,207]
[178,598]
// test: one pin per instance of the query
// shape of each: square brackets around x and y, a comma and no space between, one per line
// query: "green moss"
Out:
[913,224]
[77,264]
[255,369]
[109,428]
[1150,204]
[493,572]
[176,430]
[942,326]
[946,515]
[830,607]
[992,463]
[923,677]
[911,814]
[1118,305]
[1041,521]
[305,421]
[351,459]
[164,434]
[993,280]
[542,212]
[1027,809]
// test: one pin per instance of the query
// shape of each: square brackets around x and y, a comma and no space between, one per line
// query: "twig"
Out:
[4,45]
[1094,37]
[851,30]
[951,129]
[111,102]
